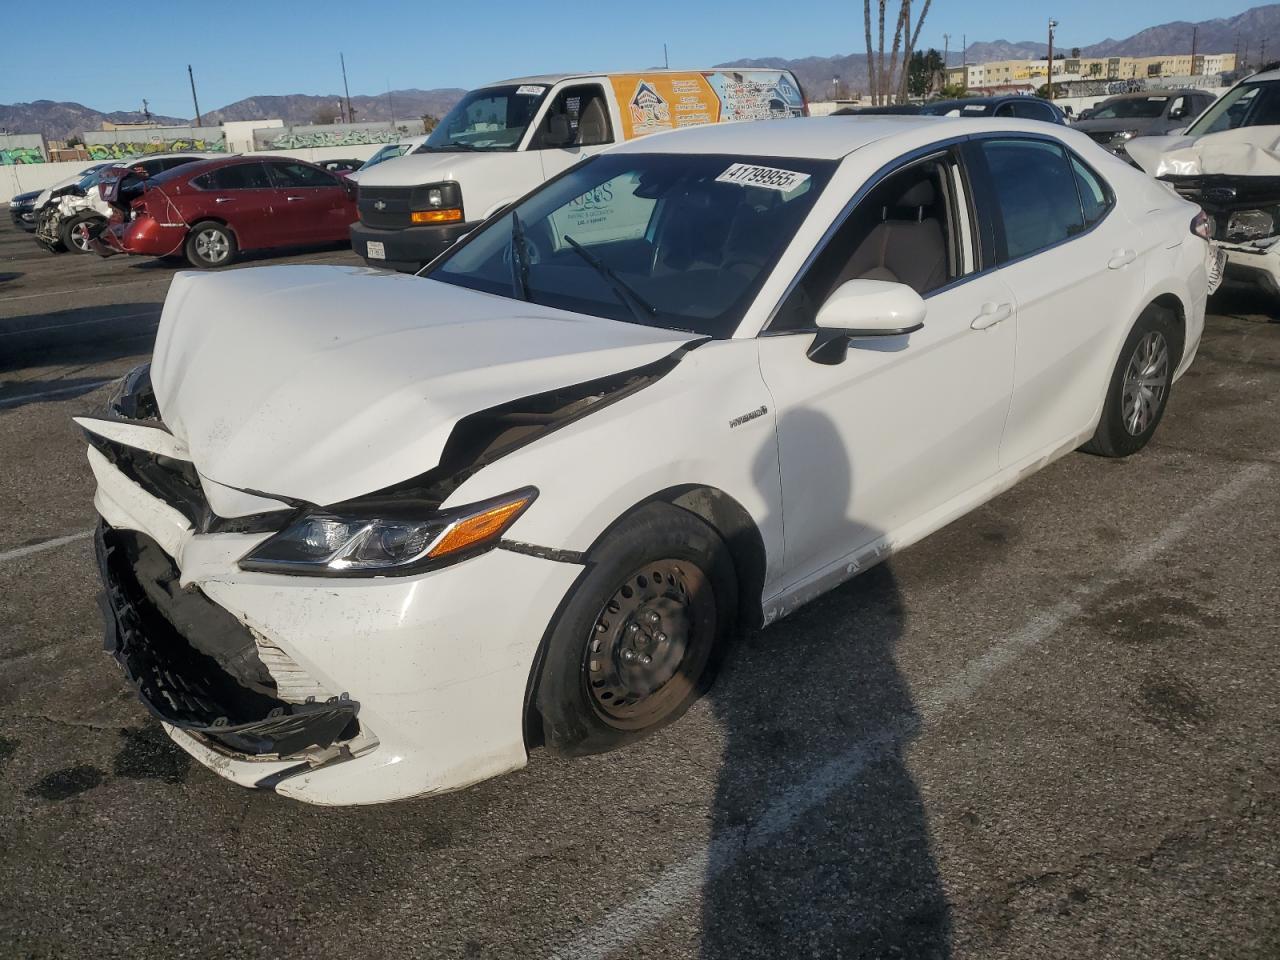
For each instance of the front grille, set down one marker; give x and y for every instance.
(386, 208)
(195, 666)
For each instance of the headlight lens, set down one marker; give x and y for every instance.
(372, 545)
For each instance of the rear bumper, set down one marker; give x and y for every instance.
(410, 249)
(142, 237)
(1254, 265)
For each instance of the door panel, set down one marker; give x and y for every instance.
(1075, 268)
(309, 204)
(239, 194)
(585, 107)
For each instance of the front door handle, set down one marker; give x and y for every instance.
(295, 198)
(223, 199)
(992, 313)
(1121, 258)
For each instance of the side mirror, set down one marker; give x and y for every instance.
(864, 308)
(558, 132)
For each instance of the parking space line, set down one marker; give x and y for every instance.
(26, 397)
(63, 293)
(19, 552)
(623, 926)
(77, 323)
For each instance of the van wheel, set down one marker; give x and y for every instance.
(1139, 389)
(635, 642)
(211, 245)
(75, 233)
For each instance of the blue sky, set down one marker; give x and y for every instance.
(239, 49)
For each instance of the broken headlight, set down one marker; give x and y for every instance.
(1251, 224)
(376, 544)
(133, 397)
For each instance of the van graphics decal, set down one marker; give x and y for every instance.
(668, 101)
(648, 109)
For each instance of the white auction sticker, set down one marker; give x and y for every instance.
(376, 251)
(530, 90)
(771, 178)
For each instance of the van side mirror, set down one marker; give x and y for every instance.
(558, 132)
(864, 308)
(1178, 113)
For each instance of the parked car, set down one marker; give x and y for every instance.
(211, 212)
(1116, 121)
(1020, 107)
(423, 522)
(390, 151)
(22, 210)
(339, 167)
(1227, 163)
(501, 141)
(73, 212)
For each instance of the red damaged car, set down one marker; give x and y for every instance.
(209, 212)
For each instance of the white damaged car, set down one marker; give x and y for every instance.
(367, 535)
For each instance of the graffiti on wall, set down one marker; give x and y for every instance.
(122, 149)
(14, 155)
(324, 138)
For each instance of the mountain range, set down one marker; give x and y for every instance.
(1255, 30)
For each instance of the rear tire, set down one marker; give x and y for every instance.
(1138, 392)
(75, 233)
(636, 641)
(211, 246)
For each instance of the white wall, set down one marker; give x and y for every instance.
(20, 178)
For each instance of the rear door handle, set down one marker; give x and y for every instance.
(992, 313)
(1121, 258)
(295, 198)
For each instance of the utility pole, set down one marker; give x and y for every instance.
(666, 61)
(1049, 65)
(345, 91)
(964, 54)
(1194, 36)
(192, 77)
(391, 108)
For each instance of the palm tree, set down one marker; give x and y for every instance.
(871, 73)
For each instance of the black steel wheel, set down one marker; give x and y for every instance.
(636, 639)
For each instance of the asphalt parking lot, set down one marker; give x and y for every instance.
(1050, 730)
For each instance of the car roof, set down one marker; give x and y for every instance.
(549, 79)
(822, 138)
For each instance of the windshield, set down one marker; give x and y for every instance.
(1246, 105)
(493, 118)
(384, 153)
(1131, 108)
(682, 241)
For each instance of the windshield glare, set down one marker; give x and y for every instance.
(681, 241)
(1135, 108)
(493, 118)
(1247, 105)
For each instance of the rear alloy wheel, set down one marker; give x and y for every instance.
(77, 232)
(210, 246)
(1139, 388)
(636, 639)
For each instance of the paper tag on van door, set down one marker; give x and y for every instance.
(771, 178)
(529, 90)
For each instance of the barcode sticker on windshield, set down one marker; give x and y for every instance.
(771, 178)
(530, 90)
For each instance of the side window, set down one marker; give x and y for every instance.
(1095, 197)
(1031, 110)
(904, 231)
(238, 176)
(290, 175)
(587, 113)
(1035, 194)
(1005, 110)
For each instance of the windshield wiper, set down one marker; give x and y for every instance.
(640, 308)
(519, 260)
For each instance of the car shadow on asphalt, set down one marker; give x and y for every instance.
(1242, 300)
(22, 393)
(821, 843)
(81, 335)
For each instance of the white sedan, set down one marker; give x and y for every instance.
(367, 535)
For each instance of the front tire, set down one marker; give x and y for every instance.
(210, 246)
(635, 643)
(1139, 388)
(77, 231)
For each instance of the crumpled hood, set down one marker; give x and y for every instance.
(1243, 152)
(321, 383)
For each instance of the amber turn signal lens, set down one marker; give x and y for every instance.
(450, 215)
(476, 529)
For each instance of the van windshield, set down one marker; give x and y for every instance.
(1246, 105)
(492, 118)
(681, 241)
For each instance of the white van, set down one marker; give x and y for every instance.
(502, 140)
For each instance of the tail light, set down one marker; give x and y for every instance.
(1202, 226)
